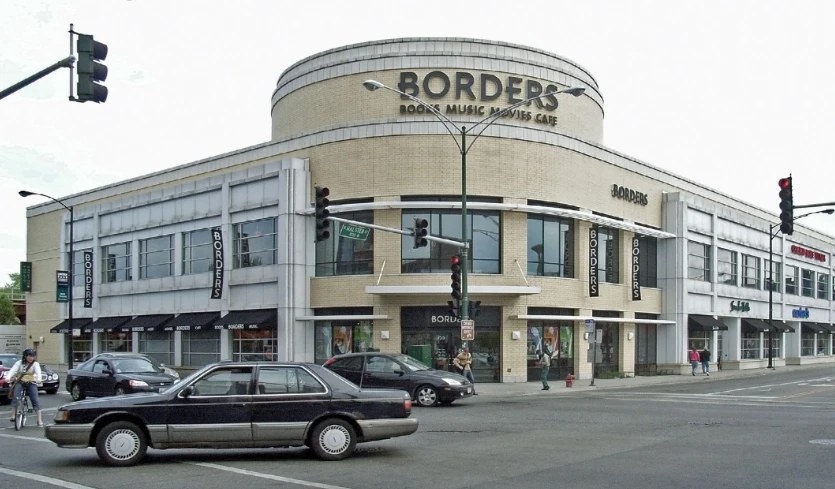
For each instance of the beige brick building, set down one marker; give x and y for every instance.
(555, 220)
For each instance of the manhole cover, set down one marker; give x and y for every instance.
(822, 442)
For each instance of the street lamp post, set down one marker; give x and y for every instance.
(25, 193)
(463, 148)
(771, 236)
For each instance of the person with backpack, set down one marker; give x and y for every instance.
(463, 362)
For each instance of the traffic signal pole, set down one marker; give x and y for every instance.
(64, 63)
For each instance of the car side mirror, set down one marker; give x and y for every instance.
(188, 391)
(399, 372)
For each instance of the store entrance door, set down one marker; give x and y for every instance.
(445, 347)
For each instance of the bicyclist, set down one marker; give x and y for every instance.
(26, 374)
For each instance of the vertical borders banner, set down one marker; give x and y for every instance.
(594, 290)
(217, 264)
(26, 276)
(88, 279)
(636, 268)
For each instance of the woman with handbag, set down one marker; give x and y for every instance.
(26, 374)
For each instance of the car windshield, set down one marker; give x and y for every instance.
(413, 364)
(134, 366)
(9, 360)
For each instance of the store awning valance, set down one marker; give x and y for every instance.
(814, 328)
(102, 325)
(757, 324)
(698, 322)
(192, 321)
(828, 327)
(64, 326)
(251, 319)
(150, 322)
(782, 326)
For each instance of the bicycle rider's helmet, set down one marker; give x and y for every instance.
(29, 351)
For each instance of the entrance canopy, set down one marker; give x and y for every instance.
(101, 325)
(756, 324)
(782, 326)
(815, 327)
(64, 326)
(698, 322)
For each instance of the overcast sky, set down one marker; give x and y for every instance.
(732, 94)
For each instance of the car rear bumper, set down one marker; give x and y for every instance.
(381, 429)
(69, 435)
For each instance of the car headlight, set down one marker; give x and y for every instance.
(54, 377)
(138, 383)
(62, 415)
(451, 381)
(172, 372)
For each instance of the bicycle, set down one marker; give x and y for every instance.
(24, 406)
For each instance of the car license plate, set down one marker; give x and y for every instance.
(469, 389)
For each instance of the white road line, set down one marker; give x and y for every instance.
(44, 479)
(266, 476)
(30, 438)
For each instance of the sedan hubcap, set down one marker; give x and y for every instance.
(122, 444)
(426, 396)
(334, 439)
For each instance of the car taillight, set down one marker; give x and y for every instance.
(407, 405)
(330, 361)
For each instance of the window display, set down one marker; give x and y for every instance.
(338, 337)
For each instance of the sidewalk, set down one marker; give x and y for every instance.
(534, 388)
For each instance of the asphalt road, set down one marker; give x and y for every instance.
(755, 431)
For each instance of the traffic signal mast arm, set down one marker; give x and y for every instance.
(64, 63)
(398, 231)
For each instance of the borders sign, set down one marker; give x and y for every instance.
(88, 279)
(594, 291)
(217, 264)
(636, 268)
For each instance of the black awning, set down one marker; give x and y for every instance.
(151, 322)
(697, 322)
(64, 326)
(101, 325)
(828, 327)
(814, 327)
(756, 324)
(192, 321)
(251, 319)
(782, 326)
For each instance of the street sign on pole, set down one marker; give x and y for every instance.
(589, 326)
(354, 232)
(467, 330)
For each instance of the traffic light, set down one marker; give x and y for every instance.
(455, 267)
(322, 213)
(786, 206)
(454, 308)
(420, 232)
(89, 70)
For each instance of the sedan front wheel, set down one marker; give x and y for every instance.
(121, 444)
(426, 396)
(75, 392)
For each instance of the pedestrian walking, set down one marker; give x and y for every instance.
(545, 364)
(704, 357)
(695, 359)
(464, 362)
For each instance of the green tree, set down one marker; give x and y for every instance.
(15, 283)
(7, 314)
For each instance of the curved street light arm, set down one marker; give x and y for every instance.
(495, 116)
(24, 193)
(444, 119)
(824, 211)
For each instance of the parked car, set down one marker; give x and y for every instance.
(109, 374)
(426, 385)
(49, 379)
(238, 405)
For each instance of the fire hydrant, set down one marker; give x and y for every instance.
(569, 380)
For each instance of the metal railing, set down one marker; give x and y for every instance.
(14, 294)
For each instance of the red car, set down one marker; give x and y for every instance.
(4, 386)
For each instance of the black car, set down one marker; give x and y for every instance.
(49, 379)
(426, 385)
(114, 374)
(238, 405)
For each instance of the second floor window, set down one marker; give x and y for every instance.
(156, 257)
(78, 266)
(698, 261)
(791, 280)
(484, 236)
(726, 269)
(254, 243)
(773, 271)
(116, 263)
(346, 256)
(750, 271)
(550, 246)
(823, 285)
(608, 255)
(807, 283)
(197, 252)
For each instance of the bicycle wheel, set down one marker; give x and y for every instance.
(20, 419)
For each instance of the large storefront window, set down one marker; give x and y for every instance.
(646, 345)
(555, 339)
(698, 339)
(648, 262)
(156, 257)
(823, 344)
(608, 255)
(82, 347)
(776, 343)
(254, 243)
(200, 347)
(750, 344)
(345, 256)
(698, 261)
(483, 234)
(110, 341)
(550, 246)
(434, 331)
(333, 338)
(197, 252)
(254, 345)
(807, 344)
(158, 345)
